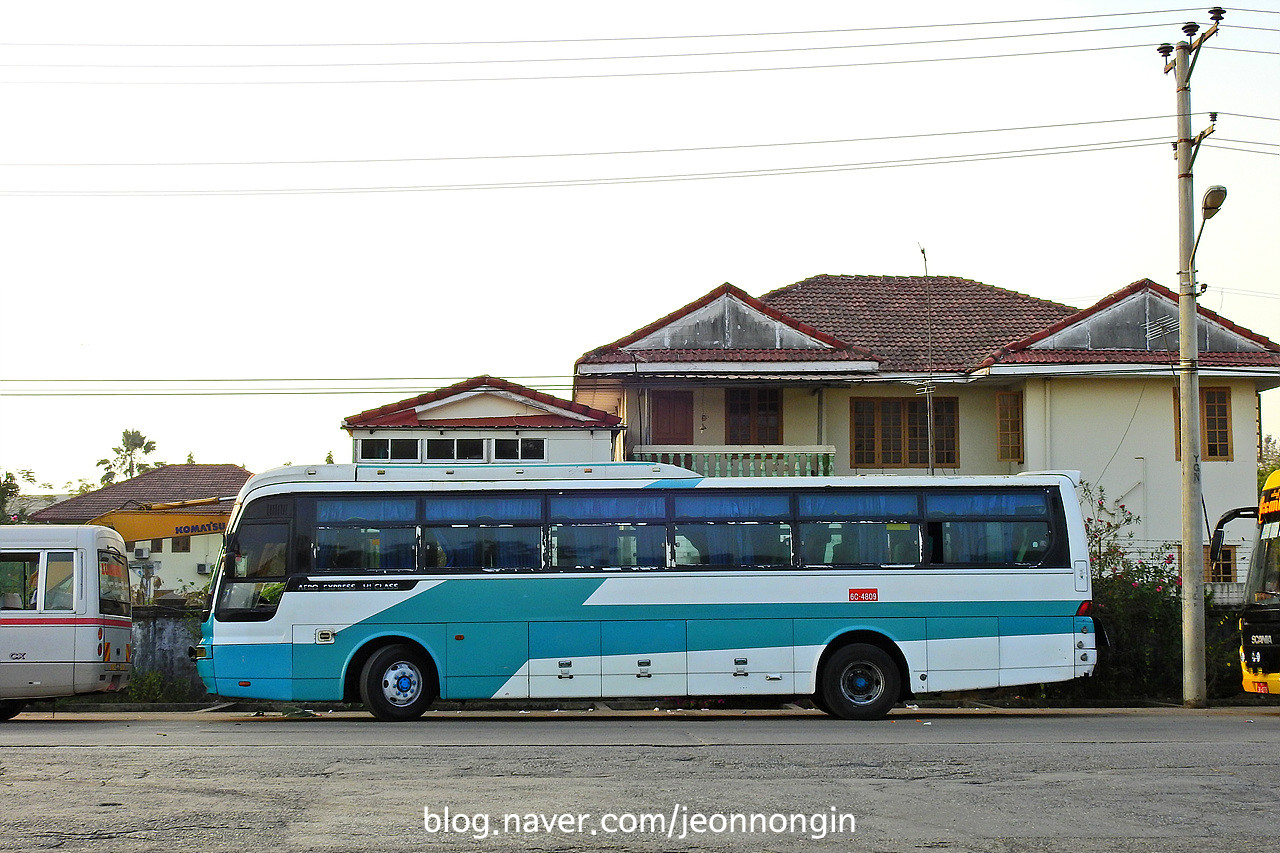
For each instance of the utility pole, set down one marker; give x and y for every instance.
(1194, 690)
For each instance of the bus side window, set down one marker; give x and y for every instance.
(59, 580)
(18, 575)
(260, 551)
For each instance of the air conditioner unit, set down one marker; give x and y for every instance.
(202, 568)
(141, 553)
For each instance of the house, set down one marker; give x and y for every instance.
(172, 519)
(842, 374)
(483, 420)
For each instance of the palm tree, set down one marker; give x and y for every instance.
(128, 457)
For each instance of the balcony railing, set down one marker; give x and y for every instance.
(758, 460)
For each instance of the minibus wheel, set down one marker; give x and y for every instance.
(10, 708)
(397, 683)
(860, 682)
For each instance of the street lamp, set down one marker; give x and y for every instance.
(1209, 207)
(1194, 692)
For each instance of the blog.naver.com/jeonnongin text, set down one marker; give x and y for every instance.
(676, 824)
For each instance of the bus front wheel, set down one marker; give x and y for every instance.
(10, 708)
(397, 684)
(860, 682)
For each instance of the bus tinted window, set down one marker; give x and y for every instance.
(1006, 504)
(370, 510)
(261, 550)
(608, 508)
(867, 505)
(18, 578)
(730, 506)
(608, 546)
(386, 549)
(461, 509)
(485, 548)
(59, 580)
(113, 584)
(990, 542)
(733, 545)
(860, 543)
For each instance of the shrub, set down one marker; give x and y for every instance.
(1137, 602)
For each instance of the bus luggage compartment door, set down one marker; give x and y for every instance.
(643, 658)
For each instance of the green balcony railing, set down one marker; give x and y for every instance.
(743, 460)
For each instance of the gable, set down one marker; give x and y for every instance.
(483, 401)
(482, 404)
(1143, 320)
(727, 323)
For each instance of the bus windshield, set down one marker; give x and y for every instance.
(1264, 567)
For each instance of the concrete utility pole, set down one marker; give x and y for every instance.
(1194, 691)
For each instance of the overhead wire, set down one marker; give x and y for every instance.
(754, 51)
(591, 76)
(600, 39)
(694, 176)
(554, 154)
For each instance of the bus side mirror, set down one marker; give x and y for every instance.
(1215, 549)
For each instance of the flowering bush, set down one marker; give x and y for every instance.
(1137, 602)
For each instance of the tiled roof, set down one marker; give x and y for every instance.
(713, 355)
(1019, 352)
(1125, 356)
(725, 289)
(401, 413)
(615, 353)
(917, 323)
(160, 485)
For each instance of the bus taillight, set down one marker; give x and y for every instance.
(1085, 607)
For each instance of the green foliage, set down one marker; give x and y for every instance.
(153, 687)
(9, 489)
(127, 461)
(1137, 602)
(1268, 459)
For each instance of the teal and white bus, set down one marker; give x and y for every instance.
(394, 585)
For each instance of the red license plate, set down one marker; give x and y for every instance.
(864, 595)
(1261, 687)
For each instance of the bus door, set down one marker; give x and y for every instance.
(37, 623)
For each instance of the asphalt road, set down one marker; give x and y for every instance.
(1114, 781)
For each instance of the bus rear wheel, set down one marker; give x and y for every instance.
(397, 683)
(860, 682)
(10, 708)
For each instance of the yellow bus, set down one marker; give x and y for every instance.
(1260, 622)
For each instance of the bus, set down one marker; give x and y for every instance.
(1260, 620)
(394, 585)
(65, 613)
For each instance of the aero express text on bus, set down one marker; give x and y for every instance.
(394, 585)
(65, 617)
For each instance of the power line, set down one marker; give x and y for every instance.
(682, 150)
(1241, 150)
(693, 176)
(1136, 369)
(1246, 50)
(622, 38)
(1243, 115)
(756, 51)
(543, 78)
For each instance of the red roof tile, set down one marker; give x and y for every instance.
(159, 485)
(401, 414)
(714, 355)
(1017, 350)
(917, 323)
(1099, 356)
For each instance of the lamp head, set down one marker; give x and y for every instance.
(1213, 199)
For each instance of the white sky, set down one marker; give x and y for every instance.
(168, 292)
